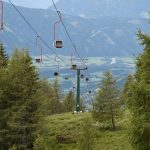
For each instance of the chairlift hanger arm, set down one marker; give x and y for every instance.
(59, 21)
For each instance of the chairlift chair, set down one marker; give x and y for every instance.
(82, 76)
(90, 92)
(56, 74)
(74, 66)
(66, 78)
(38, 60)
(58, 44)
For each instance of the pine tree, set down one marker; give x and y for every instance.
(140, 102)
(106, 104)
(126, 92)
(69, 102)
(3, 57)
(46, 94)
(56, 101)
(24, 86)
(4, 103)
(4, 110)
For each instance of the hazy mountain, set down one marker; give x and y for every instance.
(103, 8)
(104, 36)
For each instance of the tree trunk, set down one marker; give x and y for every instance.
(112, 118)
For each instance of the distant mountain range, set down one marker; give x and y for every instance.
(97, 27)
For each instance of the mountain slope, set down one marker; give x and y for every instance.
(104, 36)
(104, 8)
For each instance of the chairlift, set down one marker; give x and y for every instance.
(38, 44)
(74, 66)
(56, 74)
(90, 92)
(38, 60)
(57, 43)
(66, 78)
(82, 76)
(87, 79)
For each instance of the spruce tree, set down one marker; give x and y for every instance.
(69, 102)
(56, 106)
(24, 86)
(126, 91)
(106, 104)
(4, 102)
(140, 102)
(3, 57)
(4, 110)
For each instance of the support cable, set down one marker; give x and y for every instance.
(37, 34)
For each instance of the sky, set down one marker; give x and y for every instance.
(33, 3)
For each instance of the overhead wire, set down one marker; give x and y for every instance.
(37, 34)
(74, 46)
(45, 43)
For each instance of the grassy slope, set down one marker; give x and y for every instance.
(68, 126)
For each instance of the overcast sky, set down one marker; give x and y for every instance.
(33, 3)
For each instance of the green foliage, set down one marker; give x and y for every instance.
(46, 94)
(39, 144)
(66, 132)
(23, 87)
(87, 135)
(69, 102)
(56, 102)
(4, 103)
(126, 93)
(106, 105)
(139, 103)
(3, 57)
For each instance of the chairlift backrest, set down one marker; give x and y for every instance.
(55, 73)
(74, 66)
(66, 78)
(82, 76)
(38, 60)
(58, 44)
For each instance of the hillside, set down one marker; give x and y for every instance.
(69, 127)
(105, 8)
(101, 36)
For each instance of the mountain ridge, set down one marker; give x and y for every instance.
(104, 36)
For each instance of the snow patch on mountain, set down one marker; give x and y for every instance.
(95, 33)
(108, 39)
(74, 24)
(8, 29)
(118, 32)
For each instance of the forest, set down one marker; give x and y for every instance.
(34, 113)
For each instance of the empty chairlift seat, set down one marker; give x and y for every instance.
(55, 74)
(87, 79)
(82, 76)
(74, 66)
(58, 44)
(38, 60)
